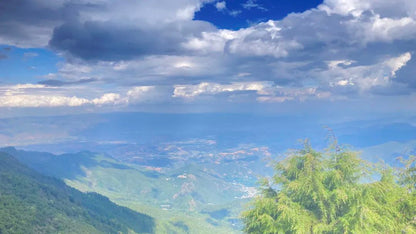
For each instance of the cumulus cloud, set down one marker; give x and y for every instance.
(38, 95)
(108, 98)
(364, 77)
(334, 26)
(139, 92)
(342, 47)
(154, 50)
(40, 101)
(263, 39)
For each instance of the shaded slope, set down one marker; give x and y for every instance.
(32, 203)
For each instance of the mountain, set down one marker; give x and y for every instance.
(183, 197)
(186, 171)
(34, 203)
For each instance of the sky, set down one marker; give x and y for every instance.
(323, 58)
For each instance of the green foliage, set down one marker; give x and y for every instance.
(32, 203)
(334, 192)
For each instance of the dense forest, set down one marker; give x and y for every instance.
(33, 203)
(334, 191)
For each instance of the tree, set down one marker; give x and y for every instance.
(333, 191)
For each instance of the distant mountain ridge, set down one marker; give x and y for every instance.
(34, 203)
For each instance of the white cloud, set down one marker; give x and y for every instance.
(26, 86)
(249, 4)
(210, 41)
(390, 28)
(375, 28)
(382, 22)
(289, 52)
(40, 101)
(397, 63)
(341, 48)
(56, 100)
(234, 13)
(335, 63)
(345, 7)
(139, 90)
(363, 76)
(186, 13)
(141, 93)
(356, 8)
(344, 82)
(29, 95)
(189, 91)
(34, 95)
(221, 6)
(264, 90)
(108, 98)
(183, 64)
(263, 39)
(10, 90)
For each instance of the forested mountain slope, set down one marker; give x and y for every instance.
(33, 203)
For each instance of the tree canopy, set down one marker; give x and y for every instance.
(334, 191)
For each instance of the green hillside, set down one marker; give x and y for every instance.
(33, 203)
(182, 199)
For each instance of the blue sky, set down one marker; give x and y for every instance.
(27, 65)
(241, 14)
(350, 58)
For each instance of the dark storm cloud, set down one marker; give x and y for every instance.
(112, 41)
(3, 56)
(29, 23)
(102, 30)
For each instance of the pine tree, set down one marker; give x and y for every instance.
(333, 192)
